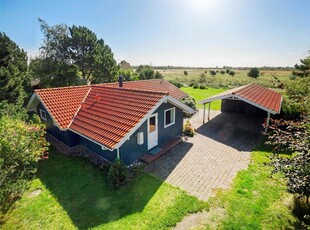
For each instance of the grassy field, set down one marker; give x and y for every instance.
(227, 81)
(200, 94)
(255, 201)
(74, 194)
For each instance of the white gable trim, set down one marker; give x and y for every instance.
(36, 96)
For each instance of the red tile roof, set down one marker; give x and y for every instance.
(153, 85)
(255, 94)
(108, 113)
(105, 113)
(63, 103)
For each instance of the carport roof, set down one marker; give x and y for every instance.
(253, 94)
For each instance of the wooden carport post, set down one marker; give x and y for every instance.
(209, 111)
(204, 113)
(268, 120)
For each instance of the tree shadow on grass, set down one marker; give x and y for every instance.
(236, 130)
(82, 191)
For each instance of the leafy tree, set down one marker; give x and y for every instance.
(74, 50)
(53, 73)
(82, 46)
(14, 78)
(227, 71)
(147, 72)
(158, 75)
(213, 72)
(185, 73)
(22, 144)
(254, 72)
(105, 67)
(222, 72)
(297, 98)
(232, 73)
(128, 74)
(302, 70)
(124, 65)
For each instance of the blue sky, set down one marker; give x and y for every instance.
(186, 33)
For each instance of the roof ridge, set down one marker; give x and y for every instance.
(132, 90)
(60, 88)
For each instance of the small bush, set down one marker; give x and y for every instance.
(202, 86)
(177, 83)
(213, 72)
(185, 73)
(195, 86)
(117, 175)
(188, 129)
(254, 72)
(202, 78)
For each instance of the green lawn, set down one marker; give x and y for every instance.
(200, 94)
(75, 195)
(255, 201)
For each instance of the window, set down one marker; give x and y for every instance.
(169, 117)
(43, 114)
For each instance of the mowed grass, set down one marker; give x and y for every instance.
(256, 200)
(74, 194)
(200, 94)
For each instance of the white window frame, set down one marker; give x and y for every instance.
(173, 112)
(43, 114)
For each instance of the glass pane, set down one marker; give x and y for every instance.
(168, 117)
(152, 127)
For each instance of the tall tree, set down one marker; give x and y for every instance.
(105, 66)
(69, 51)
(13, 71)
(303, 69)
(124, 65)
(82, 47)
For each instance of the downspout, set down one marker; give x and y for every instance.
(117, 154)
(204, 113)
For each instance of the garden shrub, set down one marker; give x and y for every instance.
(190, 102)
(188, 129)
(202, 86)
(176, 82)
(22, 145)
(117, 174)
(195, 86)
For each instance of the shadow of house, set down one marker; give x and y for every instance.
(83, 193)
(168, 162)
(236, 130)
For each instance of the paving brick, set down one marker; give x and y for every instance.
(211, 159)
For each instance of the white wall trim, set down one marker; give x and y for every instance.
(172, 123)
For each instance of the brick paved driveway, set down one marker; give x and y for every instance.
(211, 159)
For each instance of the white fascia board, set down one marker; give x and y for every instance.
(31, 101)
(180, 105)
(101, 145)
(134, 129)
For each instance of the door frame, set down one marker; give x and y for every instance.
(148, 130)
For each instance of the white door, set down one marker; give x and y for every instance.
(152, 131)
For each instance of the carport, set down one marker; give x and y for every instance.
(251, 99)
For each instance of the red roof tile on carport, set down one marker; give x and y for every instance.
(254, 94)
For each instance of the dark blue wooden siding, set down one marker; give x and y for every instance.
(130, 150)
(166, 134)
(67, 137)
